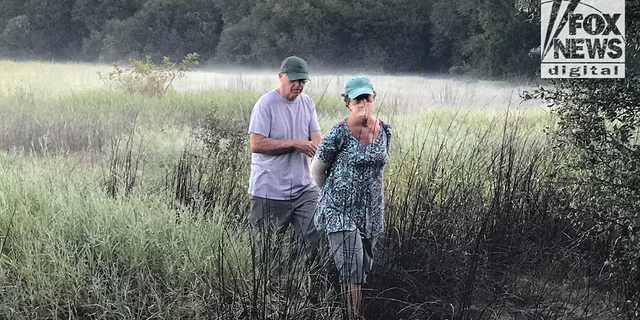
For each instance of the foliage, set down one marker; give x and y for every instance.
(49, 31)
(450, 37)
(601, 119)
(495, 40)
(144, 77)
(16, 33)
(93, 14)
(223, 133)
(343, 33)
(156, 28)
(473, 192)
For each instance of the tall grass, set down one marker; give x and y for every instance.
(74, 252)
(116, 206)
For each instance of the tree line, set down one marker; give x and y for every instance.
(489, 37)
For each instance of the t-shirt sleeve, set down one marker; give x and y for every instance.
(329, 146)
(260, 122)
(313, 123)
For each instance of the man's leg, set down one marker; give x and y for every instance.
(302, 219)
(271, 219)
(267, 215)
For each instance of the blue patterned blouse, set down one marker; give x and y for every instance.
(352, 196)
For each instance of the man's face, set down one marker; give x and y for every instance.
(291, 89)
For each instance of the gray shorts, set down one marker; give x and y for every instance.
(269, 215)
(352, 254)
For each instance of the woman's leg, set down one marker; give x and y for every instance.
(353, 296)
(347, 250)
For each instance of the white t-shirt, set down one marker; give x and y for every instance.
(284, 176)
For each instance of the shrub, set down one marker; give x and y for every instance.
(601, 120)
(146, 78)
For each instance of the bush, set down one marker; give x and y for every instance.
(144, 77)
(601, 120)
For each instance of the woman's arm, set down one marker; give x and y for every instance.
(319, 172)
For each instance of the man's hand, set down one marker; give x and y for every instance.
(307, 147)
(262, 144)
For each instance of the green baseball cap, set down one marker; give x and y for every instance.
(295, 68)
(356, 86)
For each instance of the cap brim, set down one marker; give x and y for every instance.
(355, 93)
(297, 76)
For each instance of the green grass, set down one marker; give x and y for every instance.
(72, 251)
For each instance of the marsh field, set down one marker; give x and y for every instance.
(123, 206)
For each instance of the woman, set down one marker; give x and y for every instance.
(348, 168)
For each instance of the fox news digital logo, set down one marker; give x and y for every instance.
(582, 39)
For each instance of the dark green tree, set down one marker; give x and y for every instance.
(489, 38)
(365, 34)
(510, 33)
(160, 28)
(15, 34)
(54, 34)
(39, 29)
(10, 9)
(95, 13)
(454, 23)
(271, 31)
(385, 35)
(234, 10)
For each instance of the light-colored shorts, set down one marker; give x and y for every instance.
(352, 254)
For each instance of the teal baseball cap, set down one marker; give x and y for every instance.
(356, 86)
(295, 68)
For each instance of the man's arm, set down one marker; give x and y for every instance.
(264, 145)
(316, 137)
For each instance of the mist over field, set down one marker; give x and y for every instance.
(409, 92)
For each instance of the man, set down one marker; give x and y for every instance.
(284, 137)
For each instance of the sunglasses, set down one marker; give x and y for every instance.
(365, 97)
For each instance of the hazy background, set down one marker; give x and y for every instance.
(489, 38)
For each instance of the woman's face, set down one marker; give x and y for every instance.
(361, 106)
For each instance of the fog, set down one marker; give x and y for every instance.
(408, 92)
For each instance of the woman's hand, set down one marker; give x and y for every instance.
(361, 107)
